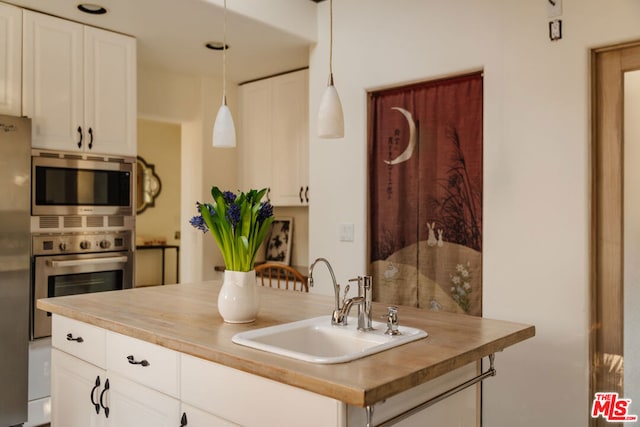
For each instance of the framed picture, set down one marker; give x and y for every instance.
(280, 241)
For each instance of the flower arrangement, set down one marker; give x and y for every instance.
(461, 286)
(238, 222)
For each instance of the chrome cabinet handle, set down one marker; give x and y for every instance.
(106, 408)
(132, 361)
(80, 132)
(91, 138)
(71, 338)
(93, 390)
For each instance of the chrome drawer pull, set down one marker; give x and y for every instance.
(71, 338)
(143, 362)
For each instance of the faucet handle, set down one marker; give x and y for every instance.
(346, 291)
(392, 321)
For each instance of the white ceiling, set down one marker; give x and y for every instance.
(171, 35)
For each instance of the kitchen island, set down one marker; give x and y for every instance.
(201, 370)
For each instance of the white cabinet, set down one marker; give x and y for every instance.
(79, 86)
(194, 417)
(76, 387)
(134, 405)
(92, 386)
(10, 60)
(274, 137)
(227, 393)
(96, 371)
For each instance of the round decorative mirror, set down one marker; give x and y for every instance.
(148, 185)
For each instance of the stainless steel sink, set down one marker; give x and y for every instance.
(316, 340)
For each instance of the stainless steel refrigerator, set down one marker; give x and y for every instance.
(15, 171)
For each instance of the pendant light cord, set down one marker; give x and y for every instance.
(330, 42)
(224, 56)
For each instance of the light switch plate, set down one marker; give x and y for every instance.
(346, 232)
(555, 29)
(554, 8)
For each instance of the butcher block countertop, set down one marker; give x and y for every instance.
(185, 318)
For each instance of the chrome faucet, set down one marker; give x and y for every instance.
(336, 286)
(363, 301)
(341, 310)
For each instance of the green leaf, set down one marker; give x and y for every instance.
(239, 244)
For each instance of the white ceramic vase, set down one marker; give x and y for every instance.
(238, 298)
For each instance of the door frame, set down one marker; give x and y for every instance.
(608, 66)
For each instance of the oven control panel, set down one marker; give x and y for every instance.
(74, 243)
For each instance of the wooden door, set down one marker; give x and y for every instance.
(607, 243)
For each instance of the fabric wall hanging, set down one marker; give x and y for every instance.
(425, 194)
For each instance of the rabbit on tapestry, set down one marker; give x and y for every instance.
(431, 240)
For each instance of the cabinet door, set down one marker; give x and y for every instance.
(134, 405)
(10, 60)
(198, 418)
(74, 392)
(52, 86)
(255, 153)
(110, 92)
(250, 400)
(290, 135)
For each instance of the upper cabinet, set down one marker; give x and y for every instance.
(274, 137)
(10, 59)
(79, 86)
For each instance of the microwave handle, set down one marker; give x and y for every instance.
(76, 262)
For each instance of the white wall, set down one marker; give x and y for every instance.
(536, 167)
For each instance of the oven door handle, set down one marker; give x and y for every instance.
(76, 262)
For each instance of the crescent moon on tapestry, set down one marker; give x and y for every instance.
(408, 152)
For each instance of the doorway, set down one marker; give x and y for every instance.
(158, 224)
(615, 281)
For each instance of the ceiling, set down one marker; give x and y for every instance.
(171, 35)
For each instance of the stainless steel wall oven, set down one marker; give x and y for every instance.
(77, 263)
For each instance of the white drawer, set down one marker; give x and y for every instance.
(82, 340)
(250, 400)
(150, 364)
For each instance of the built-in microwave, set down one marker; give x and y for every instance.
(81, 184)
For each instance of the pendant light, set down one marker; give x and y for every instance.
(330, 117)
(224, 132)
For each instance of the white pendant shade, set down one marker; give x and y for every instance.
(224, 132)
(330, 117)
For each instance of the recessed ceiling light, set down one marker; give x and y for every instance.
(94, 9)
(216, 45)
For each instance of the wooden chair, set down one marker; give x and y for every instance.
(281, 276)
